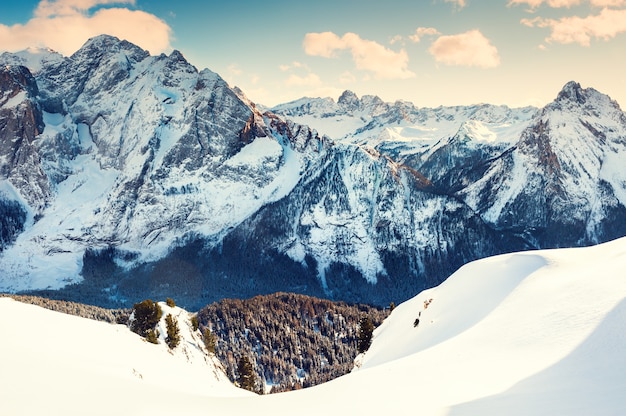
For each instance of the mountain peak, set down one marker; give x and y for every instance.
(177, 56)
(588, 100)
(349, 99)
(572, 91)
(101, 41)
(105, 44)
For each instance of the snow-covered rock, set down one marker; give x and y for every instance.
(133, 175)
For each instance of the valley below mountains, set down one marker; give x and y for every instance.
(125, 176)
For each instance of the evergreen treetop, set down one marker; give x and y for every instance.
(146, 316)
(366, 329)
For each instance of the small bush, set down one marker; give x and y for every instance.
(170, 302)
(194, 322)
(152, 335)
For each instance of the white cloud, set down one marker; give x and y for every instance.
(234, 70)
(323, 44)
(293, 65)
(606, 25)
(459, 3)
(65, 25)
(347, 77)
(420, 32)
(366, 54)
(309, 80)
(608, 3)
(466, 49)
(395, 39)
(534, 4)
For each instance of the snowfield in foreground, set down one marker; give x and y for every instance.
(535, 333)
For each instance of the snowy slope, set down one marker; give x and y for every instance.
(32, 58)
(60, 364)
(531, 333)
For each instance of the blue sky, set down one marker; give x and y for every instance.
(432, 52)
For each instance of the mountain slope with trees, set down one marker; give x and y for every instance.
(291, 340)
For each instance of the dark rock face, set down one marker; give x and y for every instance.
(21, 122)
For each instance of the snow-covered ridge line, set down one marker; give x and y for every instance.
(369, 119)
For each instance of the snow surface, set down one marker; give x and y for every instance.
(32, 58)
(534, 333)
(15, 100)
(59, 364)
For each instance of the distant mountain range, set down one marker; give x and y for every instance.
(125, 176)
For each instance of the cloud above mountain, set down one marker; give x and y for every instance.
(604, 26)
(64, 25)
(465, 49)
(367, 55)
(533, 4)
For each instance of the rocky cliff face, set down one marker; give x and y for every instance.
(125, 175)
(21, 123)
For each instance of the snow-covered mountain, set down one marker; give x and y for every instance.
(369, 120)
(125, 175)
(530, 333)
(135, 152)
(563, 183)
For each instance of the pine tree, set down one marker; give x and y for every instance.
(173, 336)
(209, 340)
(366, 328)
(247, 376)
(194, 322)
